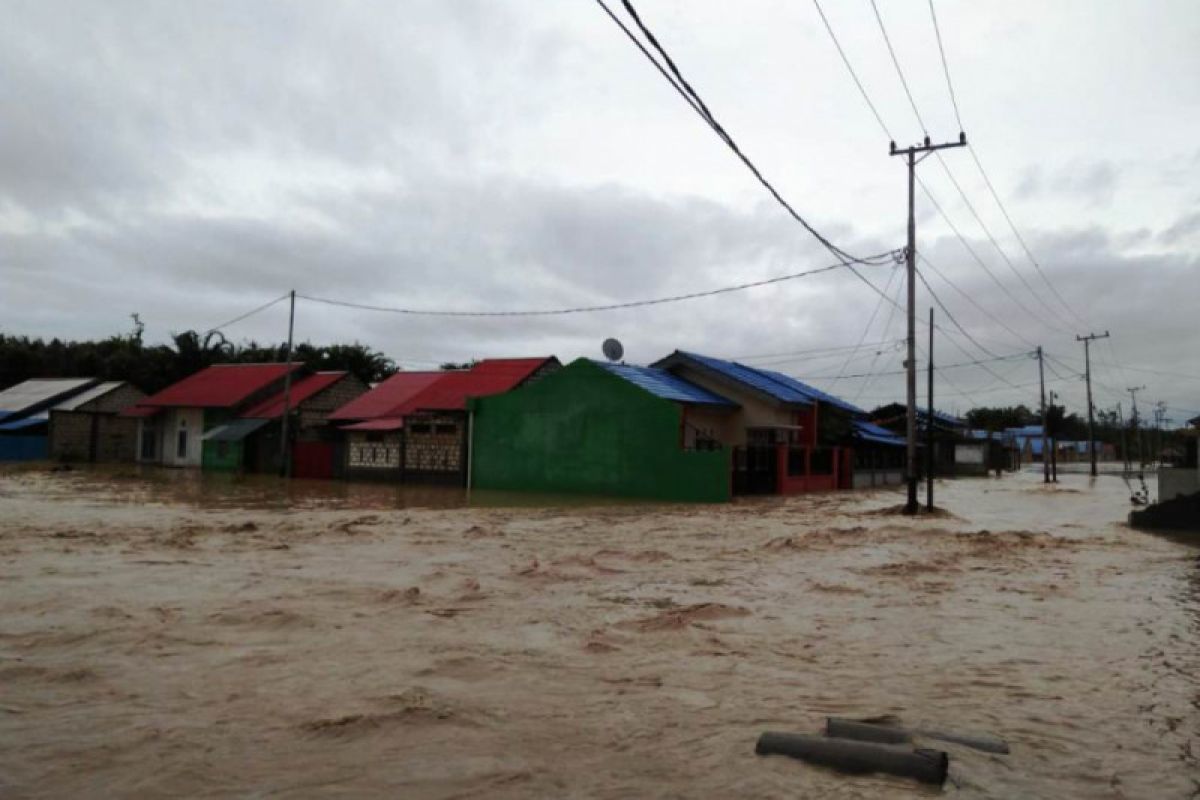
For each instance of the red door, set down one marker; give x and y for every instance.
(312, 459)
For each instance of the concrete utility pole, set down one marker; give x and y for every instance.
(930, 460)
(1124, 438)
(1087, 364)
(1133, 422)
(1052, 454)
(285, 465)
(1042, 381)
(911, 258)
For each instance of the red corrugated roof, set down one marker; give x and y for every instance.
(490, 376)
(381, 424)
(220, 386)
(386, 396)
(302, 389)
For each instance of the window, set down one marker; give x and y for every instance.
(181, 440)
(419, 427)
(374, 437)
(446, 428)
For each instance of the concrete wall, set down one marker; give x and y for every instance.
(866, 478)
(755, 412)
(85, 436)
(435, 447)
(1176, 481)
(583, 429)
(184, 425)
(374, 456)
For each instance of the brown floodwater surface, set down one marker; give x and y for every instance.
(167, 634)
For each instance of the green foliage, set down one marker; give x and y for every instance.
(1000, 418)
(152, 368)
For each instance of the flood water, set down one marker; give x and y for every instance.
(166, 635)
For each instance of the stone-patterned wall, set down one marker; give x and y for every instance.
(314, 411)
(71, 437)
(368, 455)
(434, 443)
(115, 401)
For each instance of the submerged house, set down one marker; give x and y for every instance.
(89, 427)
(604, 429)
(256, 435)
(789, 437)
(172, 424)
(949, 438)
(413, 427)
(25, 415)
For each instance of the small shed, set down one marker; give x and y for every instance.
(603, 429)
(25, 415)
(88, 426)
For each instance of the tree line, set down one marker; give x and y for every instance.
(127, 357)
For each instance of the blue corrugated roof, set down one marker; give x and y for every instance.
(27, 422)
(875, 433)
(661, 383)
(782, 387)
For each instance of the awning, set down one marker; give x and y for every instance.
(21, 424)
(383, 424)
(234, 431)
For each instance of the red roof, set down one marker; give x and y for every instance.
(490, 376)
(381, 424)
(302, 389)
(220, 386)
(386, 396)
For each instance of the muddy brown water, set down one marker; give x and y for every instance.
(163, 635)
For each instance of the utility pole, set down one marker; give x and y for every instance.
(285, 462)
(1042, 381)
(1133, 421)
(1087, 365)
(930, 461)
(1124, 438)
(1052, 453)
(911, 257)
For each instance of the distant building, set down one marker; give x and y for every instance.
(25, 415)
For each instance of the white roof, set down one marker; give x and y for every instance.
(99, 390)
(38, 390)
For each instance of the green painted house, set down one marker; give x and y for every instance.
(603, 429)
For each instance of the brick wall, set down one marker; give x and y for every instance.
(434, 443)
(314, 411)
(83, 436)
(115, 401)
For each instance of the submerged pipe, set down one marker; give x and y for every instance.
(887, 734)
(847, 755)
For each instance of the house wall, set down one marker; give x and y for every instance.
(84, 436)
(970, 458)
(1175, 481)
(435, 447)
(755, 412)
(314, 412)
(188, 422)
(374, 456)
(583, 429)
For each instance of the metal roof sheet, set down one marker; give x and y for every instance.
(488, 377)
(386, 396)
(38, 391)
(875, 433)
(27, 422)
(783, 388)
(381, 424)
(88, 395)
(220, 386)
(661, 383)
(234, 430)
(301, 390)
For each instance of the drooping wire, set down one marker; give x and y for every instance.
(674, 76)
(870, 321)
(577, 309)
(249, 313)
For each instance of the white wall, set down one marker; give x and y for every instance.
(189, 422)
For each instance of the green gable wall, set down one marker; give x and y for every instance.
(211, 458)
(584, 430)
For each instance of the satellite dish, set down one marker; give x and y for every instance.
(612, 349)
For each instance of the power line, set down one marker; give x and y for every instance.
(824, 350)
(952, 318)
(896, 62)
(575, 310)
(945, 67)
(675, 78)
(870, 322)
(250, 313)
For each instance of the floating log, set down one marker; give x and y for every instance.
(848, 755)
(890, 734)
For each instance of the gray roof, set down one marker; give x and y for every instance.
(234, 430)
(40, 392)
(87, 396)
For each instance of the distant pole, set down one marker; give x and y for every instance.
(930, 461)
(1087, 365)
(1124, 437)
(285, 467)
(1136, 432)
(1053, 454)
(912, 506)
(1045, 453)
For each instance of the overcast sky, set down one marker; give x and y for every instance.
(189, 161)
